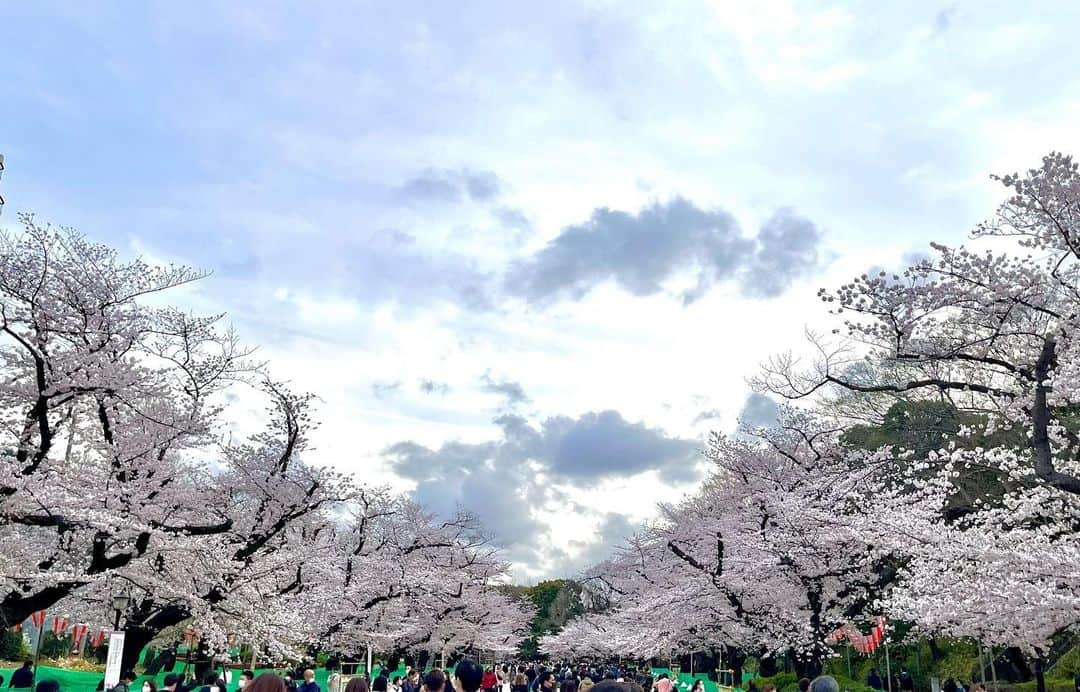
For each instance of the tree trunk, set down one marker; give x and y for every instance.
(734, 659)
(1040, 681)
(137, 636)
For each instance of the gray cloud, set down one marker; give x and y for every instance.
(383, 389)
(446, 185)
(787, 249)
(639, 252)
(758, 411)
(502, 479)
(513, 391)
(711, 414)
(605, 444)
(428, 386)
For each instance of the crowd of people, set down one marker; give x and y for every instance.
(467, 676)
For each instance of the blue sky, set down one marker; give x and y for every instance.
(527, 253)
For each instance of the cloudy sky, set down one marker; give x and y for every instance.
(527, 253)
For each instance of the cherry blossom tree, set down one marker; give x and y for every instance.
(992, 332)
(766, 557)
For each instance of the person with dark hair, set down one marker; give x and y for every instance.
(663, 684)
(804, 684)
(357, 684)
(489, 681)
(290, 681)
(267, 682)
(545, 682)
(149, 685)
(173, 683)
(395, 684)
(23, 677)
(380, 683)
(873, 680)
(699, 686)
(520, 683)
(616, 686)
(434, 681)
(470, 676)
(412, 681)
(48, 686)
(246, 677)
(569, 684)
(126, 678)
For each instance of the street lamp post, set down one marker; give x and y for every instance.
(120, 602)
(115, 657)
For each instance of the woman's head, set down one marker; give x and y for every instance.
(149, 685)
(357, 685)
(267, 682)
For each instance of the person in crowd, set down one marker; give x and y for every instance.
(546, 681)
(309, 684)
(520, 683)
(949, 686)
(569, 684)
(699, 686)
(149, 685)
(23, 677)
(434, 681)
(490, 681)
(610, 685)
(824, 683)
(246, 677)
(530, 675)
(663, 684)
(907, 683)
(357, 684)
(804, 684)
(412, 681)
(395, 684)
(289, 681)
(873, 680)
(48, 686)
(469, 676)
(380, 683)
(172, 683)
(586, 684)
(267, 682)
(126, 678)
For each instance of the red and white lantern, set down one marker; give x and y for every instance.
(59, 626)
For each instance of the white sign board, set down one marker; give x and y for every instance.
(115, 658)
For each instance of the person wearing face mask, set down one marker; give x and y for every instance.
(245, 679)
(149, 686)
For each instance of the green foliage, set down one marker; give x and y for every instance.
(785, 682)
(556, 601)
(1052, 685)
(12, 646)
(51, 647)
(1068, 665)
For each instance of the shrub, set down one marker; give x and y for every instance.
(13, 647)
